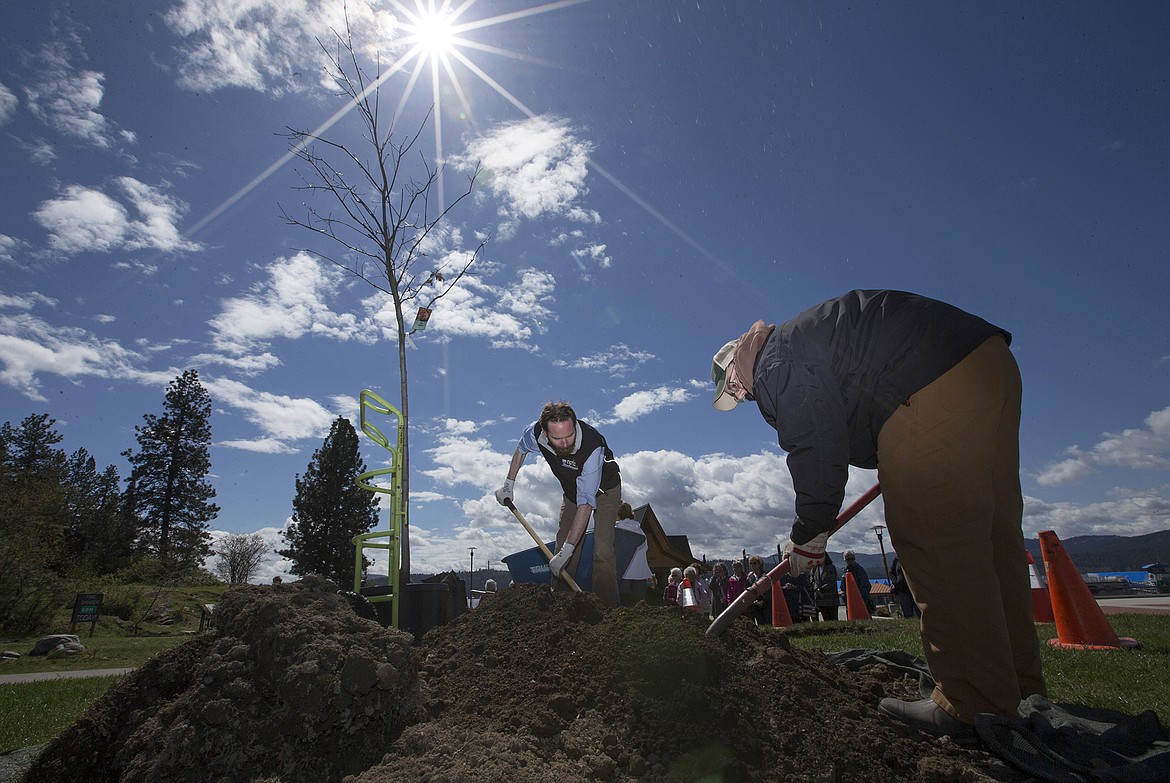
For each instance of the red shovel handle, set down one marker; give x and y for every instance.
(740, 604)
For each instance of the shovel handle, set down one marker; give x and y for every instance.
(745, 599)
(544, 549)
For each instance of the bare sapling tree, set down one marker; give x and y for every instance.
(385, 215)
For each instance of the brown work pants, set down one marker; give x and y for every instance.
(949, 468)
(605, 514)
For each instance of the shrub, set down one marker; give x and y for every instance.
(147, 569)
(126, 602)
(28, 594)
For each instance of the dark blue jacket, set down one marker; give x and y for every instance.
(828, 379)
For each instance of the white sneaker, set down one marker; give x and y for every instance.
(926, 716)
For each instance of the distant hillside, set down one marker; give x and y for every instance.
(1090, 554)
(1112, 553)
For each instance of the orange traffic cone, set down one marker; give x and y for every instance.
(686, 596)
(1080, 623)
(781, 617)
(854, 604)
(1041, 601)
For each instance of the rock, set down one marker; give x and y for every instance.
(49, 643)
(66, 650)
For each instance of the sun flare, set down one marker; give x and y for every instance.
(433, 32)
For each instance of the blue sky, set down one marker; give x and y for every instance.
(656, 176)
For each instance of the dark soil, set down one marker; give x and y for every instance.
(530, 686)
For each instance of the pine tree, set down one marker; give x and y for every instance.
(170, 491)
(330, 509)
(99, 536)
(33, 515)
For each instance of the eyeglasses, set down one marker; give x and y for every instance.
(734, 387)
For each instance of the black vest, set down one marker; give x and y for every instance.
(568, 469)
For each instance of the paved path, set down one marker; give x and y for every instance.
(8, 679)
(1152, 604)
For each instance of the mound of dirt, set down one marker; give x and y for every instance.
(529, 686)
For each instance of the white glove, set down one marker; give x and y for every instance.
(504, 493)
(557, 564)
(806, 556)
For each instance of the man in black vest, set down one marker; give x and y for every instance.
(581, 460)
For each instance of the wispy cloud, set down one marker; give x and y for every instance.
(268, 45)
(642, 403)
(8, 103)
(294, 300)
(536, 167)
(281, 419)
(508, 314)
(30, 347)
(616, 360)
(1139, 448)
(85, 219)
(68, 99)
(1126, 512)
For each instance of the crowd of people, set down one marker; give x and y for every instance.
(809, 596)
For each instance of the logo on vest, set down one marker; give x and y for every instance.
(571, 464)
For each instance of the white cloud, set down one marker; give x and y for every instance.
(595, 253)
(268, 44)
(292, 302)
(68, 99)
(84, 219)
(616, 360)
(721, 503)
(30, 346)
(537, 166)
(507, 315)
(8, 103)
(1127, 512)
(1145, 448)
(639, 404)
(26, 301)
(271, 565)
(279, 417)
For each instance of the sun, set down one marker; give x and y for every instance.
(433, 32)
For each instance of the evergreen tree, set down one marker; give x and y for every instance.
(33, 515)
(170, 491)
(330, 509)
(99, 537)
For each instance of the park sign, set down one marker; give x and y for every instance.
(87, 608)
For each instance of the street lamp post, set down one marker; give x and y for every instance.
(471, 579)
(885, 566)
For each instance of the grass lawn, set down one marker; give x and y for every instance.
(1129, 681)
(35, 712)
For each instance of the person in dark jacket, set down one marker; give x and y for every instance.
(860, 578)
(929, 395)
(825, 588)
(580, 458)
(900, 589)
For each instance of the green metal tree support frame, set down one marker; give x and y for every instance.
(372, 402)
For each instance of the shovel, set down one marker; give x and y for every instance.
(745, 599)
(564, 574)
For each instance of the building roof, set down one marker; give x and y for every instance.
(662, 551)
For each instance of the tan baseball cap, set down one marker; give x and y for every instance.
(724, 400)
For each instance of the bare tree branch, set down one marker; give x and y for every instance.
(381, 213)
